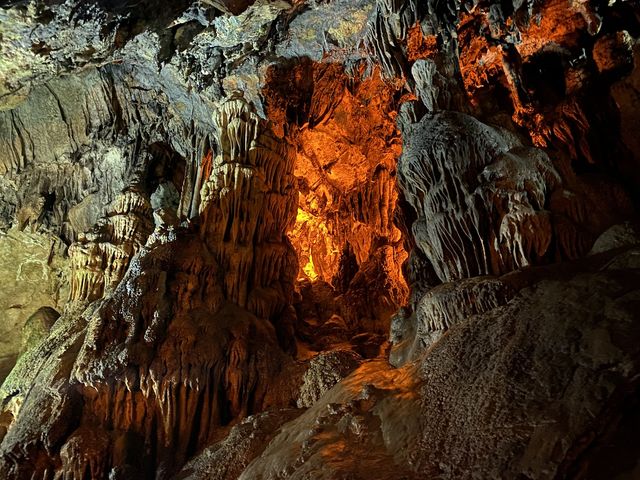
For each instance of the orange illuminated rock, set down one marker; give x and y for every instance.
(247, 203)
(345, 172)
(420, 45)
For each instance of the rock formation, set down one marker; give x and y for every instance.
(335, 239)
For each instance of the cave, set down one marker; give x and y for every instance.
(304, 239)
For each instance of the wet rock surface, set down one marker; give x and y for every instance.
(319, 239)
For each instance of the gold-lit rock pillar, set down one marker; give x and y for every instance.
(248, 203)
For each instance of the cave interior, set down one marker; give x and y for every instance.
(319, 239)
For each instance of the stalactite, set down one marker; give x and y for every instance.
(388, 30)
(101, 260)
(495, 178)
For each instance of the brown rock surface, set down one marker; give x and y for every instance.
(516, 391)
(35, 275)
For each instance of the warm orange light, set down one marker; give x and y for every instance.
(345, 167)
(305, 225)
(309, 269)
(206, 165)
(302, 216)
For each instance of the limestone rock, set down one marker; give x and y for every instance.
(101, 258)
(529, 391)
(236, 196)
(36, 275)
(441, 308)
(247, 204)
(613, 51)
(550, 400)
(325, 370)
(618, 236)
(344, 233)
(137, 333)
(37, 327)
(343, 436)
(227, 459)
(626, 97)
(495, 178)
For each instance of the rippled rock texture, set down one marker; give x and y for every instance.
(303, 239)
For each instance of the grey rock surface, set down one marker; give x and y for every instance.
(227, 459)
(441, 308)
(325, 370)
(618, 236)
(456, 173)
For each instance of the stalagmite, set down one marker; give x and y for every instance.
(248, 202)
